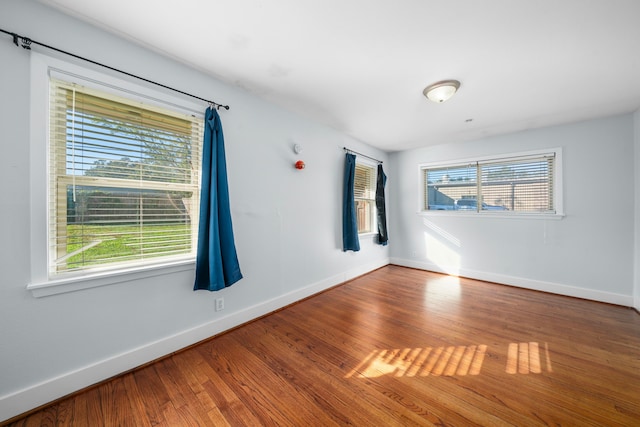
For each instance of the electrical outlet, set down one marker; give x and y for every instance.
(219, 304)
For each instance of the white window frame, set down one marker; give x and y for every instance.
(374, 210)
(557, 187)
(42, 66)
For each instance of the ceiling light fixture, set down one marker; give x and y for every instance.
(441, 91)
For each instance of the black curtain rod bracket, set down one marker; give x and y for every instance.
(26, 43)
(363, 155)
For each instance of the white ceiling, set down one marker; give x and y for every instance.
(360, 65)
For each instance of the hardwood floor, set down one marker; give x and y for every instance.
(397, 347)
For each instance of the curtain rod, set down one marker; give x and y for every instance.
(26, 43)
(360, 154)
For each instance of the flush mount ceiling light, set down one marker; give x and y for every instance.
(441, 91)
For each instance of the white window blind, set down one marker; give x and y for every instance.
(519, 184)
(123, 181)
(364, 193)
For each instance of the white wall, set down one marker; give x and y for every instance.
(636, 257)
(588, 253)
(286, 223)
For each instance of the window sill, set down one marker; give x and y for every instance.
(369, 235)
(74, 283)
(473, 214)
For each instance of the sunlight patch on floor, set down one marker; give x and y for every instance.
(434, 361)
(524, 358)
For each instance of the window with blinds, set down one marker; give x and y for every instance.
(365, 194)
(123, 181)
(519, 184)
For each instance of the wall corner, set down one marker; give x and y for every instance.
(636, 225)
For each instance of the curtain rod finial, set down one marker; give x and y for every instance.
(218, 106)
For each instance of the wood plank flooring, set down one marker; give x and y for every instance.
(396, 347)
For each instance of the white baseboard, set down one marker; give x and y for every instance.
(538, 285)
(19, 402)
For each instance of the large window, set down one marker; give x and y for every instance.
(518, 184)
(365, 197)
(123, 180)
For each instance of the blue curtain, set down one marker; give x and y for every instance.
(217, 264)
(381, 181)
(350, 240)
